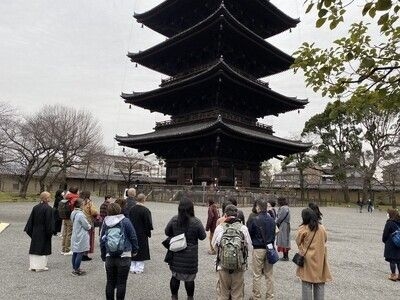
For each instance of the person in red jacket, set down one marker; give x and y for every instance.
(71, 196)
(213, 216)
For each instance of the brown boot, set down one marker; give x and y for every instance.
(393, 277)
(174, 297)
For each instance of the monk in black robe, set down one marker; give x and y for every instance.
(40, 228)
(140, 217)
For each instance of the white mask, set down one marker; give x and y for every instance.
(387, 216)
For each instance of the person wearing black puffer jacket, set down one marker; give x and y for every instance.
(184, 264)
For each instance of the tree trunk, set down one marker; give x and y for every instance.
(301, 174)
(346, 193)
(24, 187)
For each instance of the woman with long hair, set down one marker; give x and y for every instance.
(90, 211)
(392, 252)
(311, 238)
(57, 220)
(184, 264)
(315, 208)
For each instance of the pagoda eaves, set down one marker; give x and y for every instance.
(181, 95)
(220, 34)
(260, 16)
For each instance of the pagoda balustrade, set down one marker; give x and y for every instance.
(213, 115)
(194, 71)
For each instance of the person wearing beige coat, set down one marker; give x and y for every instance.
(315, 271)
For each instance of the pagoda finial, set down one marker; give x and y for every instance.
(219, 118)
(221, 58)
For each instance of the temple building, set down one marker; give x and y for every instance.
(215, 54)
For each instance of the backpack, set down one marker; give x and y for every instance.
(396, 237)
(115, 240)
(64, 210)
(232, 250)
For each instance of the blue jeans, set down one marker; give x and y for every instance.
(117, 269)
(76, 260)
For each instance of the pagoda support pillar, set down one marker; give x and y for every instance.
(181, 176)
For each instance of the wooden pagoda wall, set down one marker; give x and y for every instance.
(213, 171)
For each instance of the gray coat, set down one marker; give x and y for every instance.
(283, 218)
(80, 234)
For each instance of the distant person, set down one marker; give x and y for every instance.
(283, 223)
(311, 239)
(360, 203)
(90, 211)
(103, 209)
(370, 206)
(140, 217)
(117, 264)
(271, 209)
(184, 264)
(212, 217)
(122, 203)
(392, 252)
(230, 283)
(315, 208)
(130, 201)
(253, 214)
(70, 197)
(57, 220)
(262, 233)
(40, 228)
(80, 240)
(240, 216)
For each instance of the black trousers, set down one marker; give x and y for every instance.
(117, 269)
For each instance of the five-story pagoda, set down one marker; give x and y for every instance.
(215, 54)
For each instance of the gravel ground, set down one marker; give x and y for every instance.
(355, 256)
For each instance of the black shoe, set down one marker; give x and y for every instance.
(86, 258)
(284, 259)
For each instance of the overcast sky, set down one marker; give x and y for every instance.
(73, 52)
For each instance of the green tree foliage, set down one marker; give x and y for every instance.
(356, 62)
(356, 135)
(339, 143)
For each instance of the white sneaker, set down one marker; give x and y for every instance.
(62, 252)
(68, 253)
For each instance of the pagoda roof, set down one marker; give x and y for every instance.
(261, 97)
(253, 137)
(222, 34)
(174, 16)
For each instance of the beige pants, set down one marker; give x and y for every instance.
(66, 239)
(230, 286)
(260, 264)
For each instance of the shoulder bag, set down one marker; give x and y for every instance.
(298, 259)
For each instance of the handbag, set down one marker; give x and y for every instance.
(272, 254)
(178, 243)
(396, 237)
(298, 259)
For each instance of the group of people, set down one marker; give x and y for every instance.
(128, 219)
(232, 239)
(267, 230)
